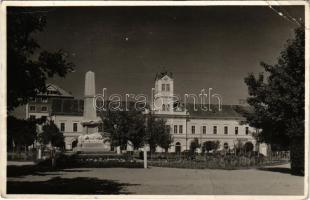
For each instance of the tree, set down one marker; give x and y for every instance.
(51, 135)
(248, 146)
(164, 137)
(194, 145)
(157, 133)
(210, 145)
(125, 126)
(278, 101)
(28, 68)
(21, 133)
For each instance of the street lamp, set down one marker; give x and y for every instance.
(118, 148)
(146, 112)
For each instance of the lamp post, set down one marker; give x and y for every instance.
(187, 119)
(146, 112)
(118, 148)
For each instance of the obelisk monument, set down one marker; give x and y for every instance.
(91, 139)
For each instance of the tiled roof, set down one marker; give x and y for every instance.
(162, 74)
(55, 91)
(226, 112)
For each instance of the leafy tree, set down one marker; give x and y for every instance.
(163, 132)
(28, 67)
(210, 145)
(157, 133)
(21, 133)
(248, 147)
(194, 145)
(51, 135)
(278, 101)
(125, 126)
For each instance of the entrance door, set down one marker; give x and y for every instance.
(177, 148)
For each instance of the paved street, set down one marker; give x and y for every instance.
(270, 181)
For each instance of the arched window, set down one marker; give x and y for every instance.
(168, 107)
(164, 107)
(178, 147)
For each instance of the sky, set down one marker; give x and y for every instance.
(204, 47)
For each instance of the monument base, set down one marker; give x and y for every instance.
(93, 143)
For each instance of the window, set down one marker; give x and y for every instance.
(43, 108)
(175, 129)
(168, 107)
(162, 87)
(236, 130)
(214, 129)
(44, 99)
(225, 130)
(62, 127)
(246, 130)
(204, 129)
(193, 129)
(164, 107)
(181, 129)
(32, 108)
(167, 87)
(44, 118)
(74, 127)
(32, 117)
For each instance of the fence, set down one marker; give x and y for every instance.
(218, 161)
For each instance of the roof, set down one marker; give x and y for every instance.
(55, 91)
(162, 74)
(226, 112)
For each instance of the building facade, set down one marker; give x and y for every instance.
(187, 122)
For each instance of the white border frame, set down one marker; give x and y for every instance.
(3, 112)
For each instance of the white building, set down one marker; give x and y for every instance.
(190, 121)
(186, 121)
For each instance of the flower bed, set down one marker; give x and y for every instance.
(217, 162)
(97, 161)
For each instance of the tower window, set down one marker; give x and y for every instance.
(167, 87)
(246, 130)
(163, 87)
(164, 107)
(168, 107)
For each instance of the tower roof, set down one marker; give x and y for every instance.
(162, 74)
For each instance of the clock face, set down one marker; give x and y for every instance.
(166, 78)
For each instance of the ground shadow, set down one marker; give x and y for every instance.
(58, 185)
(284, 170)
(39, 170)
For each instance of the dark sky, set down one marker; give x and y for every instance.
(215, 46)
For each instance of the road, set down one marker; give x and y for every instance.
(269, 181)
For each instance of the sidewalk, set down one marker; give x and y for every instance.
(20, 163)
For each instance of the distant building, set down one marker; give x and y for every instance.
(186, 121)
(190, 121)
